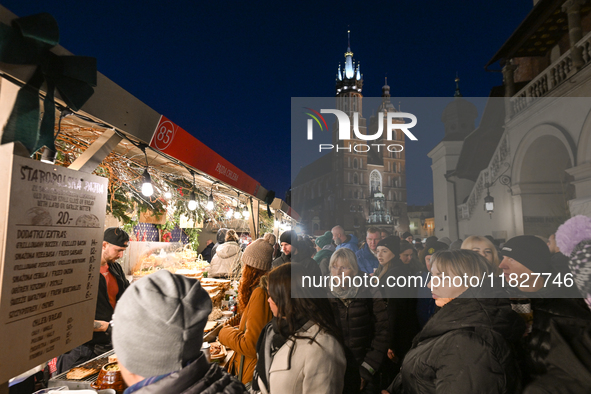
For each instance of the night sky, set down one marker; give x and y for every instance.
(226, 70)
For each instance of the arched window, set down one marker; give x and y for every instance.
(355, 178)
(355, 163)
(375, 182)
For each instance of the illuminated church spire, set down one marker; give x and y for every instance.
(349, 73)
(350, 78)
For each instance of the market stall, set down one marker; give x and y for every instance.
(165, 188)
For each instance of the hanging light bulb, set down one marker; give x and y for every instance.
(147, 188)
(245, 213)
(168, 195)
(210, 204)
(192, 202)
(237, 214)
(230, 213)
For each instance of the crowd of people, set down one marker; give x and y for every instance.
(532, 336)
(436, 338)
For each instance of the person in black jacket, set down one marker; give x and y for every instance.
(112, 284)
(523, 257)
(569, 360)
(285, 241)
(466, 347)
(361, 312)
(206, 253)
(401, 299)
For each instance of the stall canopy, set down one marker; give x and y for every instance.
(114, 122)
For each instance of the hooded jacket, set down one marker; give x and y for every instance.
(221, 239)
(466, 347)
(350, 243)
(226, 261)
(366, 260)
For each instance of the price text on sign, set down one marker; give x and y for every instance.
(50, 251)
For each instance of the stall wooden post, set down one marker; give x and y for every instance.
(253, 223)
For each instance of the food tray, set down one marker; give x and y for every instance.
(81, 384)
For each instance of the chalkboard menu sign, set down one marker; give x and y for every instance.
(51, 233)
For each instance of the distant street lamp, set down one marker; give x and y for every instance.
(489, 203)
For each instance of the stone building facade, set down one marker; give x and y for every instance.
(531, 153)
(355, 187)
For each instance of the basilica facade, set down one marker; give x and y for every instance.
(356, 187)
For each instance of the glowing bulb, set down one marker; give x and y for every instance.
(237, 215)
(192, 202)
(147, 188)
(210, 204)
(245, 213)
(230, 213)
(168, 195)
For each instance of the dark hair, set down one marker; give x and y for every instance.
(297, 302)
(305, 249)
(405, 245)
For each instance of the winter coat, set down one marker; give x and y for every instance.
(402, 308)
(364, 324)
(465, 348)
(206, 253)
(243, 339)
(537, 344)
(310, 264)
(226, 261)
(281, 260)
(104, 309)
(199, 377)
(304, 365)
(366, 260)
(350, 243)
(569, 360)
(221, 239)
(425, 303)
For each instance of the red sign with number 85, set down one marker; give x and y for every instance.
(178, 143)
(164, 135)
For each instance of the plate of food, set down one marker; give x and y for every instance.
(217, 351)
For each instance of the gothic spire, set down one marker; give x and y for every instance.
(349, 71)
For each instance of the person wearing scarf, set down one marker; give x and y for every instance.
(361, 312)
(300, 351)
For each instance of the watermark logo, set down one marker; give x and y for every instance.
(344, 129)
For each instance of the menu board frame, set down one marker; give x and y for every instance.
(51, 233)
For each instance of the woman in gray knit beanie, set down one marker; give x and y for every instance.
(242, 332)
